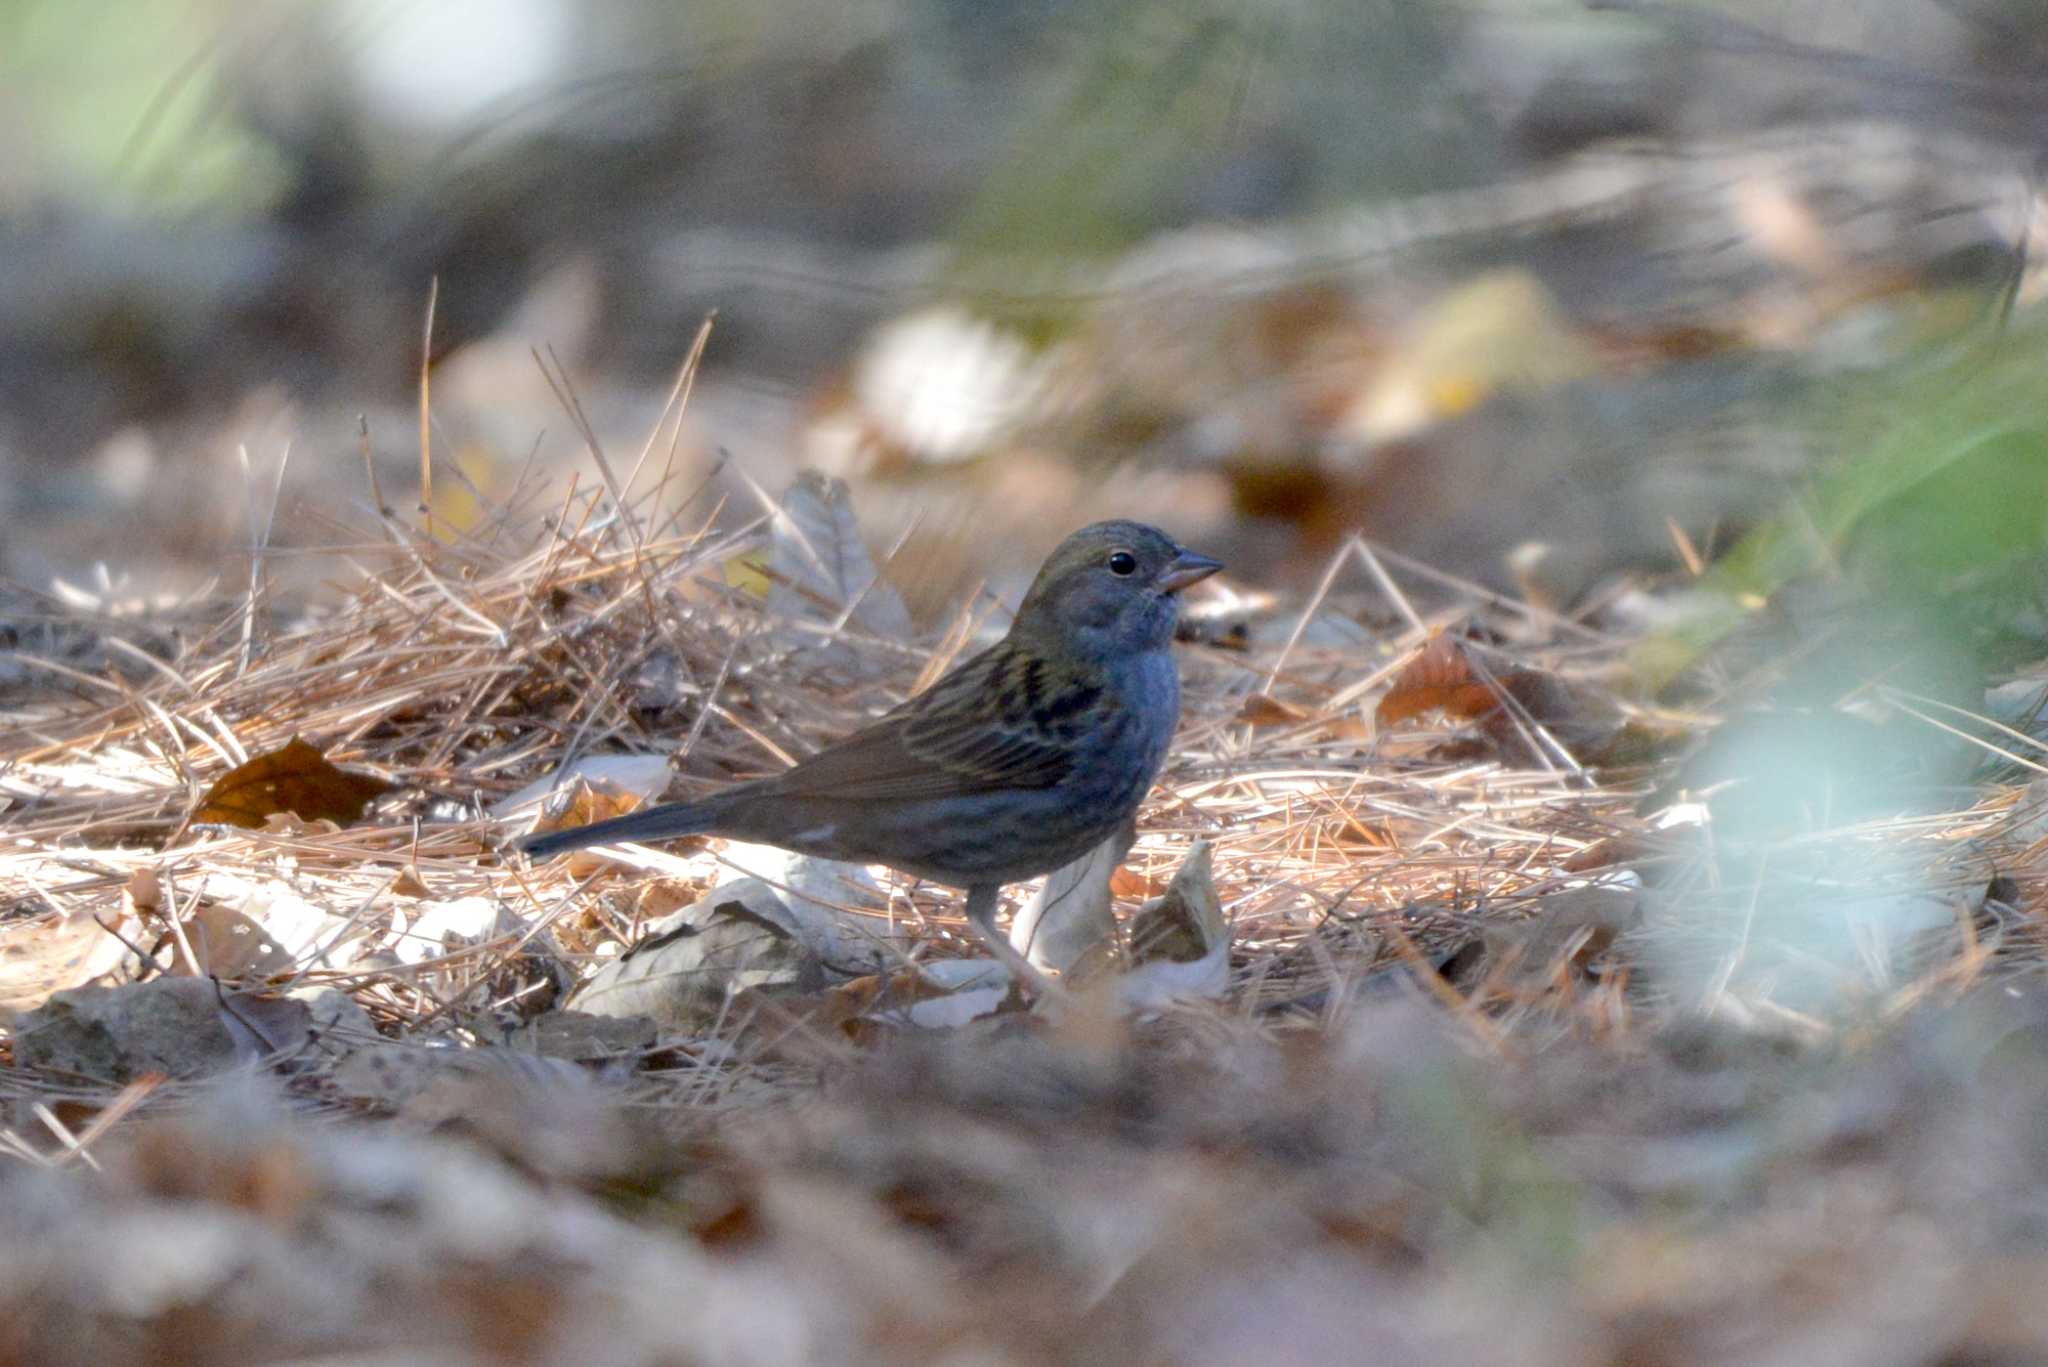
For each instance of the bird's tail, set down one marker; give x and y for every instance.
(666, 822)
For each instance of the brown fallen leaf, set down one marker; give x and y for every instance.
(228, 945)
(142, 892)
(1608, 852)
(846, 1007)
(1128, 882)
(665, 896)
(1262, 709)
(1578, 719)
(591, 800)
(297, 779)
(1439, 679)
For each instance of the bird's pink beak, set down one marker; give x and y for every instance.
(1185, 569)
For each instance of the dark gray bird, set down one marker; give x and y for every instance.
(1016, 762)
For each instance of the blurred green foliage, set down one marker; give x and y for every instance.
(122, 104)
(1935, 498)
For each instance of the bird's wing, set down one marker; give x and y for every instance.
(1004, 719)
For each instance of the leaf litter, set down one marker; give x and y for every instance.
(1436, 984)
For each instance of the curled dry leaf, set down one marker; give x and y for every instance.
(1439, 679)
(591, 800)
(295, 778)
(821, 568)
(664, 897)
(1128, 882)
(292, 824)
(1179, 943)
(1068, 920)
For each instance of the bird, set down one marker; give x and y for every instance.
(1017, 761)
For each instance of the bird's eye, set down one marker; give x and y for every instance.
(1122, 563)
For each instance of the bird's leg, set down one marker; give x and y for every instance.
(981, 914)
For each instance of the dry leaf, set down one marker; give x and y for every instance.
(40, 955)
(143, 892)
(590, 801)
(945, 994)
(1441, 679)
(1262, 709)
(1580, 721)
(1608, 852)
(229, 945)
(1068, 919)
(1438, 679)
(296, 779)
(856, 1008)
(409, 884)
(1348, 726)
(665, 896)
(1179, 943)
(820, 567)
(262, 1024)
(1128, 882)
(292, 824)
(647, 775)
(739, 936)
(181, 1027)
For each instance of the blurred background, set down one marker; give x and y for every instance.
(1538, 291)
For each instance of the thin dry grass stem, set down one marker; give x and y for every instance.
(1307, 615)
(426, 505)
(1900, 698)
(1480, 596)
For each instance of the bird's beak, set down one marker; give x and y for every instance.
(1185, 569)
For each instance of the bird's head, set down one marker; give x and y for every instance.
(1109, 591)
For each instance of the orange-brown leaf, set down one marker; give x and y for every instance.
(143, 891)
(1126, 881)
(1438, 679)
(296, 779)
(589, 802)
(1261, 709)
